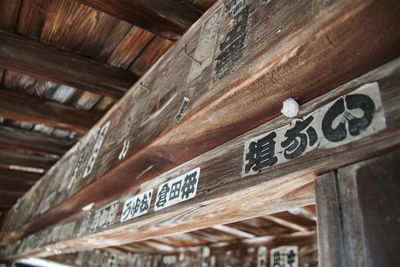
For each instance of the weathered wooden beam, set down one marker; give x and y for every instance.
(224, 193)
(21, 176)
(17, 106)
(20, 140)
(260, 77)
(286, 223)
(358, 211)
(23, 159)
(168, 19)
(43, 61)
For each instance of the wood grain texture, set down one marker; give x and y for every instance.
(159, 143)
(168, 19)
(28, 85)
(130, 48)
(223, 195)
(238, 253)
(29, 141)
(24, 159)
(155, 49)
(358, 213)
(238, 102)
(201, 4)
(17, 106)
(20, 176)
(9, 10)
(90, 33)
(48, 63)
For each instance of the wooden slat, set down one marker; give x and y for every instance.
(247, 96)
(17, 106)
(28, 85)
(23, 159)
(90, 33)
(169, 19)
(9, 10)
(358, 211)
(20, 176)
(223, 195)
(156, 48)
(16, 140)
(130, 48)
(46, 62)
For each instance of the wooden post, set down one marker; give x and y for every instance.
(358, 213)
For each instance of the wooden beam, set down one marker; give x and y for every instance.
(223, 195)
(46, 62)
(286, 223)
(29, 177)
(168, 19)
(266, 74)
(17, 106)
(358, 211)
(20, 140)
(23, 159)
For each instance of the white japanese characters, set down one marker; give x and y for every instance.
(136, 206)
(96, 149)
(105, 216)
(177, 190)
(285, 256)
(344, 120)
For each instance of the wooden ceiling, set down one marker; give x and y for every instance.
(63, 64)
(237, 243)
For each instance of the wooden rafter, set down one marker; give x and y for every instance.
(23, 159)
(168, 19)
(17, 106)
(46, 62)
(23, 140)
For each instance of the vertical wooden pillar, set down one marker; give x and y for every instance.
(358, 209)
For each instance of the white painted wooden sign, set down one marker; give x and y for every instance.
(177, 190)
(349, 118)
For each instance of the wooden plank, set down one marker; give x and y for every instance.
(155, 49)
(29, 141)
(20, 176)
(168, 19)
(17, 106)
(90, 33)
(46, 62)
(9, 10)
(206, 123)
(24, 159)
(28, 85)
(222, 192)
(130, 48)
(358, 213)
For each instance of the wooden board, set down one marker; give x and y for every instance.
(17, 106)
(28, 141)
(46, 62)
(358, 213)
(169, 19)
(221, 108)
(222, 192)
